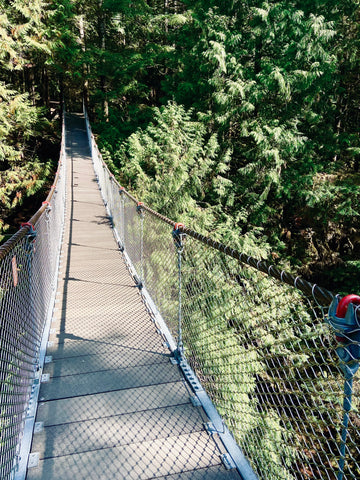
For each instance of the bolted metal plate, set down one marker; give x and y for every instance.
(45, 378)
(39, 427)
(33, 460)
(190, 376)
(210, 428)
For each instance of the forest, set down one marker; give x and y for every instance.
(237, 118)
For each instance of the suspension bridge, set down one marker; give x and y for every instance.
(133, 347)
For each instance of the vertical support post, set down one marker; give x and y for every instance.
(348, 388)
(141, 213)
(29, 252)
(111, 203)
(179, 240)
(180, 345)
(122, 219)
(30, 248)
(343, 317)
(49, 243)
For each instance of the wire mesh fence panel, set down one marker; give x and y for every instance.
(160, 269)
(133, 234)
(267, 359)
(28, 265)
(19, 341)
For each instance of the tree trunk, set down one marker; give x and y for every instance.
(102, 38)
(45, 87)
(83, 47)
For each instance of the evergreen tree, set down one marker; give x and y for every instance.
(23, 53)
(173, 167)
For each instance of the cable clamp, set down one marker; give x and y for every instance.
(179, 235)
(31, 235)
(32, 230)
(343, 317)
(140, 209)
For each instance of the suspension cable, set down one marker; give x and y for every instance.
(321, 295)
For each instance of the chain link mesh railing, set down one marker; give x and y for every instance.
(28, 265)
(278, 364)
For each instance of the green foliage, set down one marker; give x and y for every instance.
(25, 47)
(172, 165)
(334, 199)
(241, 119)
(63, 32)
(17, 120)
(236, 118)
(273, 81)
(21, 182)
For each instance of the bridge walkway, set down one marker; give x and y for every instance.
(114, 406)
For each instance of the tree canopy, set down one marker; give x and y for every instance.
(264, 96)
(273, 84)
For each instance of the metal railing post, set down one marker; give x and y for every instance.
(141, 212)
(122, 219)
(48, 237)
(179, 239)
(30, 249)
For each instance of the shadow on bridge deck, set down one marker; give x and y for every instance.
(114, 406)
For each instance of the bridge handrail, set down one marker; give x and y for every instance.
(321, 295)
(28, 278)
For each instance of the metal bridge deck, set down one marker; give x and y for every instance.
(114, 407)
